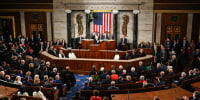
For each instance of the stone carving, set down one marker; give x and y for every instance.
(80, 25)
(124, 25)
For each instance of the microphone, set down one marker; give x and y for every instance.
(86, 45)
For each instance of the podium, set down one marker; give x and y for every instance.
(104, 45)
(86, 43)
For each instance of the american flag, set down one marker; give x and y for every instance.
(102, 23)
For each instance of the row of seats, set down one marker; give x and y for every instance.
(88, 93)
(50, 93)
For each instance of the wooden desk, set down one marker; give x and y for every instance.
(170, 94)
(7, 91)
(196, 86)
(81, 65)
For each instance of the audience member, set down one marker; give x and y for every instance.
(38, 93)
(112, 87)
(22, 91)
(95, 95)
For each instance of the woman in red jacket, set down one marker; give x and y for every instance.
(96, 95)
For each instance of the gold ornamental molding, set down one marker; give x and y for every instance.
(176, 11)
(176, 3)
(26, 3)
(29, 10)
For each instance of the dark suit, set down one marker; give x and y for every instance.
(113, 88)
(133, 74)
(96, 41)
(69, 78)
(27, 83)
(10, 40)
(32, 42)
(141, 45)
(105, 37)
(79, 42)
(86, 88)
(140, 69)
(57, 43)
(100, 88)
(141, 54)
(182, 43)
(48, 85)
(38, 40)
(126, 57)
(63, 44)
(123, 44)
(133, 56)
(155, 53)
(163, 54)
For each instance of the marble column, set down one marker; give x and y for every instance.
(158, 27)
(49, 32)
(68, 12)
(135, 32)
(189, 26)
(23, 27)
(87, 24)
(115, 13)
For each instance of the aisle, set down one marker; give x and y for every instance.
(80, 79)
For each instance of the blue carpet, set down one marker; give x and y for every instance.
(80, 79)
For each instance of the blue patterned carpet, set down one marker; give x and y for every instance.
(80, 79)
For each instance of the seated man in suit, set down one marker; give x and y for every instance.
(57, 80)
(49, 83)
(105, 36)
(54, 52)
(57, 42)
(181, 79)
(86, 86)
(112, 87)
(77, 96)
(99, 87)
(126, 56)
(141, 45)
(141, 53)
(96, 40)
(79, 42)
(134, 54)
(123, 43)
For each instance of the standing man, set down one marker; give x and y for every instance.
(184, 43)
(123, 43)
(79, 42)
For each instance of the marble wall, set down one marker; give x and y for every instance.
(125, 7)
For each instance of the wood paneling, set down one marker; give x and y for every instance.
(100, 54)
(196, 28)
(82, 64)
(176, 4)
(26, 4)
(30, 20)
(176, 1)
(16, 18)
(167, 20)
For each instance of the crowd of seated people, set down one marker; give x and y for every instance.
(163, 68)
(20, 64)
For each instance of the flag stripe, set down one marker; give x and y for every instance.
(102, 23)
